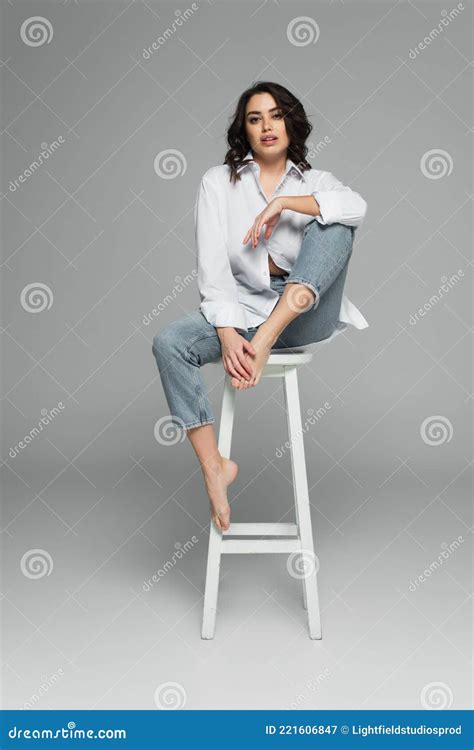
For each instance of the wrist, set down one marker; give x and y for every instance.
(280, 202)
(223, 330)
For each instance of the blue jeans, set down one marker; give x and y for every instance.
(189, 342)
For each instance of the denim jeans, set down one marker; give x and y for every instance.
(189, 342)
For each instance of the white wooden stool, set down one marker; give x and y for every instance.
(296, 538)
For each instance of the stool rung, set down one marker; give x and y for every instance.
(261, 529)
(251, 546)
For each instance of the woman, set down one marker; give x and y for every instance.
(259, 290)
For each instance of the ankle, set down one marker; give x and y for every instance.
(212, 465)
(268, 333)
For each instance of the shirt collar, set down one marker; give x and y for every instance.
(290, 165)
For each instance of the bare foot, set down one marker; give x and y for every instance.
(262, 343)
(217, 479)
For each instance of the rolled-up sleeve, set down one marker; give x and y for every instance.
(337, 202)
(217, 286)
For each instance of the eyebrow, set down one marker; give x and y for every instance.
(257, 112)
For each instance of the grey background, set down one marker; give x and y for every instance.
(96, 491)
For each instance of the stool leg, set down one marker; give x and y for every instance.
(300, 484)
(305, 604)
(215, 536)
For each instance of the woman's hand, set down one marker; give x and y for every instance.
(269, 216)
(233, 347)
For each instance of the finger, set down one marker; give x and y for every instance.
(257, 234)
(253, 236)
(230, 369)
(248, 346)
(237, 371)
(238, 365)
(268, 231)
(248, 367)
(247, 237)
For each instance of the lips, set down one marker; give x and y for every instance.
(269, 139)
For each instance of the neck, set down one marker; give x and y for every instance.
(273, 165)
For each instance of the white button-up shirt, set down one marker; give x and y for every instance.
(234, 279)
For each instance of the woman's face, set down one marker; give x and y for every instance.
(265, 126)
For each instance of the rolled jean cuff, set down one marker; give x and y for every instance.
(311, 286)
(198, 424)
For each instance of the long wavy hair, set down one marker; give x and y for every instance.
(297, 126)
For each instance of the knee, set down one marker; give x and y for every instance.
(338, 233)
(164, 342)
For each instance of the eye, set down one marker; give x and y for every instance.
(253, 120)
(278, 115)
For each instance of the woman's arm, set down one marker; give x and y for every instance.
(220, 303)
(338, 203)
(329, 201)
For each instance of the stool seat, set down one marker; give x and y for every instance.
(293, 357)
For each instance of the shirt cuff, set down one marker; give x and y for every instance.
(220, 314)
(329, 206)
